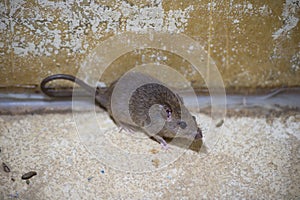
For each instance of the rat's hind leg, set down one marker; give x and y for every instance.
(126, 127)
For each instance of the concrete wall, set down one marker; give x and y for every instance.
(253, 43)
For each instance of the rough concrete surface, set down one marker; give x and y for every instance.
(254, 158)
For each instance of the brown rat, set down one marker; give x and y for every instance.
(140, 102)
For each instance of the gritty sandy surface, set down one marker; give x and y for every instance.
(254, 158)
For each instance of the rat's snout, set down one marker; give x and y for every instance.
(198, 134)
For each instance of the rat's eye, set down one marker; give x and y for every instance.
(169, 113)
(182, 124)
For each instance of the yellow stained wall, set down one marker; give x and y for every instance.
(253, 43)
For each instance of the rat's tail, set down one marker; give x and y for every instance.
(52, 92)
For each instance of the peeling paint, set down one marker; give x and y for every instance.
(57, 35)
(290, 19)
(66, 24)
(236, 21)
(242, 8)
(264, 10)
(295, 61)
(177, 20)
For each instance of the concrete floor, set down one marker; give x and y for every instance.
(254, 158)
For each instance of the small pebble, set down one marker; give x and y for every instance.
(102, 171)
(14, 195)
(28, 175)
(5, 167)
(27, 182)
(220, 123)
(12, 179)
(155, 162)
(154, 151)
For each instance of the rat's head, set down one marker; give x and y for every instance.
(179, 123)
(158, 110)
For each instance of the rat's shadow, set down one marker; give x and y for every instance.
(182, 143)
